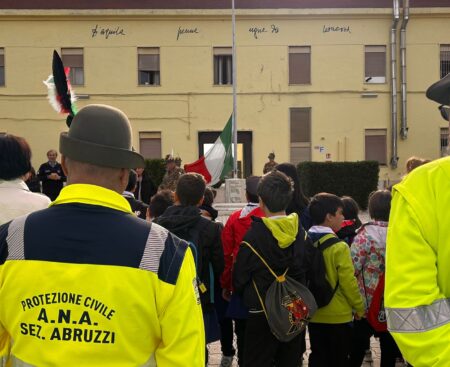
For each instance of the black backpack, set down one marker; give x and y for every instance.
(318, 284)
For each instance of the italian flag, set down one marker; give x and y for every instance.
(218, 161)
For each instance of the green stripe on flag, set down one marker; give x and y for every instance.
(226, 138)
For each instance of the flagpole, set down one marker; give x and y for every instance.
(234, 120)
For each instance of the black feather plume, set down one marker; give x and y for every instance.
(62, 87)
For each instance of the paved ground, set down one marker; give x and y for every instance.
(215, 355)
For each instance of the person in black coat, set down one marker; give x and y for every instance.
(145, 187)
(185, 221)
(138, 207)
(52, 176)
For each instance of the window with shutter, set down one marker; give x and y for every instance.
(150, 145)
(375, 145)
(375, 64)
(223, 66)
(300, 65)
(148, 66)
(445, 60)
(300, 135)
(444, 141)
(74, 59)
(2, 67)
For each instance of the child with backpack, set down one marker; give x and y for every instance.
(274, 246)
(368, 253)
(330, 327)
(184, 220)
(233, 233)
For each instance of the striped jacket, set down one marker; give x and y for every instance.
(86, 283)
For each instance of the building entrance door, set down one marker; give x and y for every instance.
(244, 150)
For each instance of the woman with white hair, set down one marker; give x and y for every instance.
(16, 199)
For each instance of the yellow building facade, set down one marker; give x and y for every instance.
(168, 70)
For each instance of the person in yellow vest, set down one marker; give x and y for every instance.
(87, 283)
(417, 291)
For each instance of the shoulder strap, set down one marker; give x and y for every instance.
(327, 241)
(279, 278)
(323, 243)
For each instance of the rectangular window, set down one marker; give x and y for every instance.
(2, 66)
(148, 66)
(300, 127)
(223, 66)
(375, 145)
(375, 64)
(445, 60)
(444, 141)
(300, 65)
(73, 58)
(150, 144)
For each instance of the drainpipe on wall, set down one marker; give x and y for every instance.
(395, 19)
(404, 125)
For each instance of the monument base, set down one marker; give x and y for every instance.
(235, 190)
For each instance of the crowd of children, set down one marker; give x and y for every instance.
(287, 231)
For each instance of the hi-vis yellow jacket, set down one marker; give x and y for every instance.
(417, 292)
(86, 283)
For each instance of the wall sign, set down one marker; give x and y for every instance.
(339, 29)
(256, 31)
(107, 32)
(182, 31)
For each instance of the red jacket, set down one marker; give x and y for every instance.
(232, 235)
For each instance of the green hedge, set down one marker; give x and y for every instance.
(355, 179)
(156, 168)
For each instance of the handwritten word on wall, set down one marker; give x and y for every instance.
(107, 32)
(257, 31)
(339, 29)
(186, 31)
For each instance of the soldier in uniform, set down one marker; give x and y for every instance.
(170, 179)
(269, 166)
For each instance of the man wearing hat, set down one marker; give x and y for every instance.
(85, 282)
(417, 291)
(269, 166)
(172, 175)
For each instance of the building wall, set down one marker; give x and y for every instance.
(187, 101)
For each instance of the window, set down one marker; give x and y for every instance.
(375, 64)
(444, 141)
(2, 66)
(375, 145)
(445, 60)
(223, 66)
(300, 65)
(150, 144)
(148, 66)
(73, 58)
(300, 134)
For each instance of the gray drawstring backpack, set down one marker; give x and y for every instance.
(288, 304)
